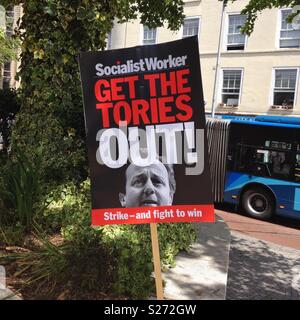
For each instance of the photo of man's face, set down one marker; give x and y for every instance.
(147, 186)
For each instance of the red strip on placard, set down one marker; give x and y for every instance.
(138, 215)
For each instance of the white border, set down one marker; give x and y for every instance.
(271, 94)
(220, 85)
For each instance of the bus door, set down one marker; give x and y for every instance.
(296, 184)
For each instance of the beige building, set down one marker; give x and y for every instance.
(258, 74)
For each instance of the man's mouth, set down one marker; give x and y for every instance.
(149, 203)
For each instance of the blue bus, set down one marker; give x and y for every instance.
(255, 163)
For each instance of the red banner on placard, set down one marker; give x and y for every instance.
(190, 213)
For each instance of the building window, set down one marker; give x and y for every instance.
(9, 21)
(2, 17)
(235, 39)
(289, 37)
(6, 75)
(231, 88)
(149, 35)
(284, 87)
(190, 27)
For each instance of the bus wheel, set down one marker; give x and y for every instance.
(258, 203)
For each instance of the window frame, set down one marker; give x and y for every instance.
(225, 38)
(142, 36)
(220, 91)
(271, 98)
(9, 25)
(191, 18)
(278, 38)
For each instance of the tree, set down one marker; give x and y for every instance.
(254, 7)
(53, 32)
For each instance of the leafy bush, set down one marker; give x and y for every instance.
(61, 150)
(20, 189)
(129, 245)
(69, 208)
(52, 268)
(111, 258)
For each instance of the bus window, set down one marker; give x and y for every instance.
(265, 163)
(297, 166)
(261, 163)
(244, 158)
(253, 160)
(280, 166)
(263, 156)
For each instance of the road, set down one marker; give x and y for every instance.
(264, 258)
(280, 231)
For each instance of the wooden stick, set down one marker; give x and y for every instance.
(156, 261)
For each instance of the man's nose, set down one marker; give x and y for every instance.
(149, 188)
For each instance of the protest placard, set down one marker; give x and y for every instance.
(145, 122)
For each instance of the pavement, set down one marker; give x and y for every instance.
(262, 270)
(232, 265)
(201, 273)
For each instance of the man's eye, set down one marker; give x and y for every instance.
(137, 182)
(157, 182)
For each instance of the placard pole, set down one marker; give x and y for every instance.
(156, 262)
